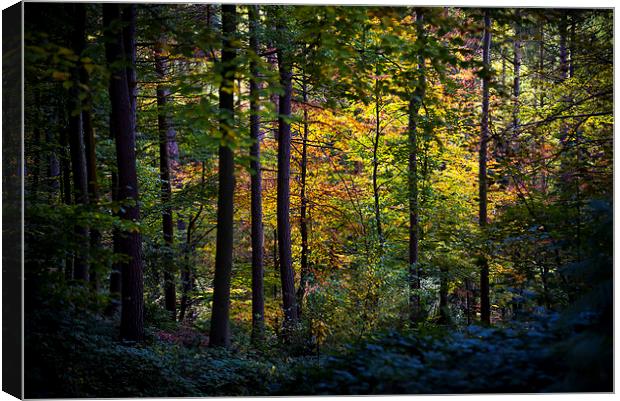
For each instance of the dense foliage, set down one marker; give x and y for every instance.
(330, 200)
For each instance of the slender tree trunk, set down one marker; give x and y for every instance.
(485, 306)
(303, 218)
(116, 274)
(91, 171)
(76, 144)
(164, 126)
(468, 301)
(258, 295)
(541, 64)
(276, 263)
(572, 47)
(283, 184)
(53, 167)
(220, 334)
(517, 75)
(444, 312)
(541, 97)
(36, 162)
(130, 245)
(65, 189)
(563, 49)
(503, 54)
(186, 275)
(375, 159)
(414, 107)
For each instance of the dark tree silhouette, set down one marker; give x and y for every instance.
(220, 333)
(258, 296)
(132, 301)
(284, 173)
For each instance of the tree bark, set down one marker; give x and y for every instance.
(517, 75)
(541, 64)
(563, 49)
(415, 102)
(444, 312)
(164, 126)
(128, 16)
(65, 188)
(53, 167)
(375, 159)
(485, 307)
(132, 287)
(187, 273)
(303, 212)
(91, 170)
(573, 44)
(76, 144)
(258, 296)
(287, 275)
(115, 274)
(220, 334)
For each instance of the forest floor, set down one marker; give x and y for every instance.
(76, 353)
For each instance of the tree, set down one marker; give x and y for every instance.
(285, 69)
(517, 74)
(485, 305)
(375, 157)
(76, 142)
(220, 333)
(164, 125)
(132, 301)
(415, 103)
(303, 208)
(258, 296)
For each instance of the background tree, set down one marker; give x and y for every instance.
(220, 334)
(132, 301)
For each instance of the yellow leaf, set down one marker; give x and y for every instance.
(60, 76)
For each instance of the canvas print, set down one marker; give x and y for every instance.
(244, 200)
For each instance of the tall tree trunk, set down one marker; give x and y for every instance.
(541, 98)
(565, 170)
(517, 75)
(65, 188)
(37, 148)
(283, 183)
(91, 170)
(220, 334)
(303, 212)
(415, 102)
(130, 245)
(258, 295)
(187, 274)
(128, 16)
(375, 159)
(76, 143)
(163, 122)
(115, 274)
(563, 48)
(572, 47)
(485, 306)
(541, 64)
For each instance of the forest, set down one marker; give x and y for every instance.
(253, 200)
